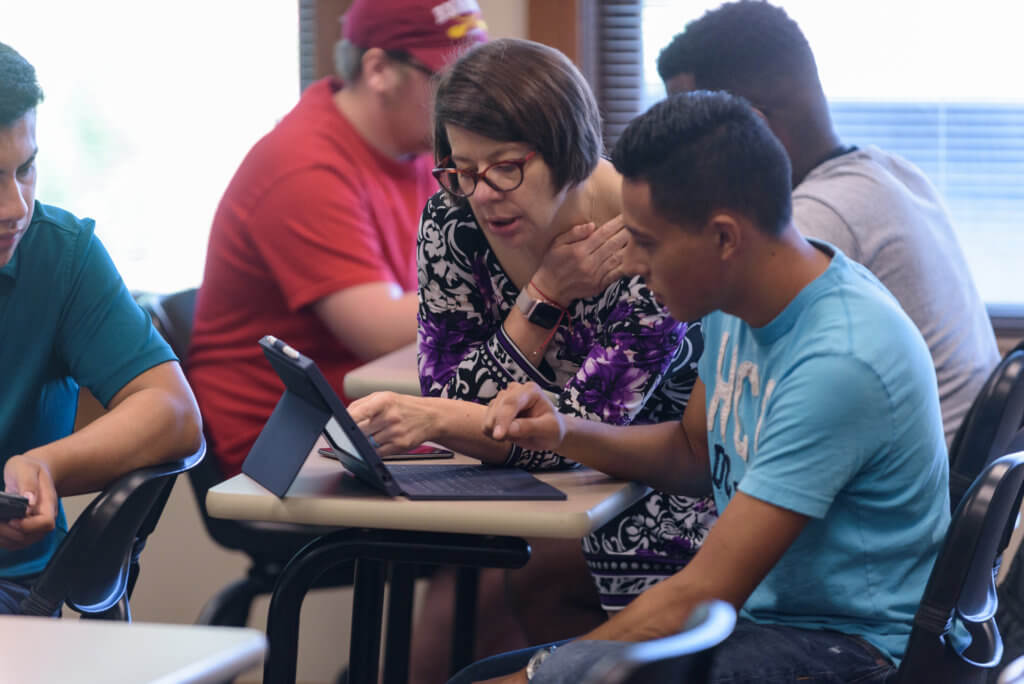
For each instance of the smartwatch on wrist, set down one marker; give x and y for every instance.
(537, 311)
(536, 659)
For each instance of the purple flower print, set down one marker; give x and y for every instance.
(482, 277)
(652, 348)
(612, 384)
(577, 340)
(620, 313)
(443, 343)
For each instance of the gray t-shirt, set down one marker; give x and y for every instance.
(882, 212)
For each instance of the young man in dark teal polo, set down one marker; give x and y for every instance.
(67, 320)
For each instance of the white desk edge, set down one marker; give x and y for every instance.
(119, 652)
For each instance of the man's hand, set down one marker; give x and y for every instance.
(396, 422)
(30, 478)
(583, 262)
(525, 415)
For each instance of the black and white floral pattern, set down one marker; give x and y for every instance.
(618, 358)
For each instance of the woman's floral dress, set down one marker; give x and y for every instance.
(617, 358)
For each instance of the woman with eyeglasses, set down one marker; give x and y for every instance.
(523, 277)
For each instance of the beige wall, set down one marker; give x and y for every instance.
(506, 18)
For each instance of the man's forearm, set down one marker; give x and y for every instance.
(149, 426)
(370, 320)
(660, 611)
(658, 455)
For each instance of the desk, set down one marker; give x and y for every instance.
(383, 530)
(395, 372)
(73, 651)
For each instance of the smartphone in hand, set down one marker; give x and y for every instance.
(12, 506)
(420, 453)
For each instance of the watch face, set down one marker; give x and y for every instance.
(545, 315)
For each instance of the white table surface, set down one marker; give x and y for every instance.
(323, 494)
(395, 372)
(71, 651)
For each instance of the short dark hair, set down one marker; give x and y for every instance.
(745, 47)
(19, 89)
(520, 91)
(702, 152)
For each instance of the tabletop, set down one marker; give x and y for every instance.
(324, 494)
(73, 651)
(395, 372)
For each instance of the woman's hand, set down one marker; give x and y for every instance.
(525, 415)
(395, 422)
(582, 262)
(30, 478)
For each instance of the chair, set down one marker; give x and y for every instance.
(96, 565)
(993, 419)
(269, 545)
(962, 582)
(681, 657)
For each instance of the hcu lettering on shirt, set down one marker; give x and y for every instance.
(727, 394)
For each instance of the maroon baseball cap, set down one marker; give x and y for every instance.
(432, 31)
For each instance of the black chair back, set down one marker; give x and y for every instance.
(269, 545)
(682, 657)
(173, 315)
(962, 582)
(995, 416)
(95, 567)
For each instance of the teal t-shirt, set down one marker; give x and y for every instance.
(66, 319)
(831, 410)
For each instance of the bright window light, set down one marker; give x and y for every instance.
(149, 110)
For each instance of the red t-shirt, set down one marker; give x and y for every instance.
(312, 210)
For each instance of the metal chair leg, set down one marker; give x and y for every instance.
(399, 634)
(467, 581)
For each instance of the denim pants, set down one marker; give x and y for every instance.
(12, 591)
(752, 653)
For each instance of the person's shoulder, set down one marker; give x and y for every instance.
(857, 290)
(853, 313)
(57, 233)
(447, 214)
(313, 133)
(865, 179)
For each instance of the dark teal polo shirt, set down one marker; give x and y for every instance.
(66, 319)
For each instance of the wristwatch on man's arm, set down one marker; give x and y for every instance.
(536, 659)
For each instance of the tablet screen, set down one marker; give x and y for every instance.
(339, 440)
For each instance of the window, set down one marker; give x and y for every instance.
(937, 86)
(149, 110)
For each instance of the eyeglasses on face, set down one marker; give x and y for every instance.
(403, 57)
(502, 176)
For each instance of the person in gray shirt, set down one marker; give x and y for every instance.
(876, 207)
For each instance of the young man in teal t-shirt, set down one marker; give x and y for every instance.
(815, 421)
(67, 320)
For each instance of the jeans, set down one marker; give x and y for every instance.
(752, 653)
(12, 591)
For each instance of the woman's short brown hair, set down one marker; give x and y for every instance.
(519, 91)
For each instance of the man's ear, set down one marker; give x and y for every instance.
(379, 74)
(727, 234)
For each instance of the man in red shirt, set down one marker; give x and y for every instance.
(314, 240)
